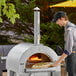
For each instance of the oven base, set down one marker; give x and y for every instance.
(51, 73)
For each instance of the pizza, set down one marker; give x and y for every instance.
(42, 65)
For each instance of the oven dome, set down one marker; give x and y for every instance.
(17, 57)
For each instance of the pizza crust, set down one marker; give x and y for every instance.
(42, 65)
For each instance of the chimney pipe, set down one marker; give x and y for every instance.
(36, 26)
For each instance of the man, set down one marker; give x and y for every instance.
(69, 54)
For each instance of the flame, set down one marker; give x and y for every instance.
(35, 58)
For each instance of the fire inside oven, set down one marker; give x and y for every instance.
(37, 59)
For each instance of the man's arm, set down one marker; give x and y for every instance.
(63, 56)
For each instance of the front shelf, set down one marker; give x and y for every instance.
(52, 69)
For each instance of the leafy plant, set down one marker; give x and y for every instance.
(52, 35)
(8, 9)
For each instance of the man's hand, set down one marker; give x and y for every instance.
(58, 62)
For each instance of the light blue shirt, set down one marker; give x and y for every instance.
(70, 37)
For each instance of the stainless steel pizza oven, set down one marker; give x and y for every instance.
(24, 56)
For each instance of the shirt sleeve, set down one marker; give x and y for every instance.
(69, 41)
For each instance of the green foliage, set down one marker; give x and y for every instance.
(8, 9)
(29, 38)
(52, 35)
(25, 10)
(2, 3)
(1, 20)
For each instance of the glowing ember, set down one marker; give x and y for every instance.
(35, 58)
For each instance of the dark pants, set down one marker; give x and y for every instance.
(71, 64)
(0, 68)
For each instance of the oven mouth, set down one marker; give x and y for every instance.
(38, 59)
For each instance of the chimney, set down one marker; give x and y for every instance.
(36, 26)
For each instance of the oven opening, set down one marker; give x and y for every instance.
(37, 59)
